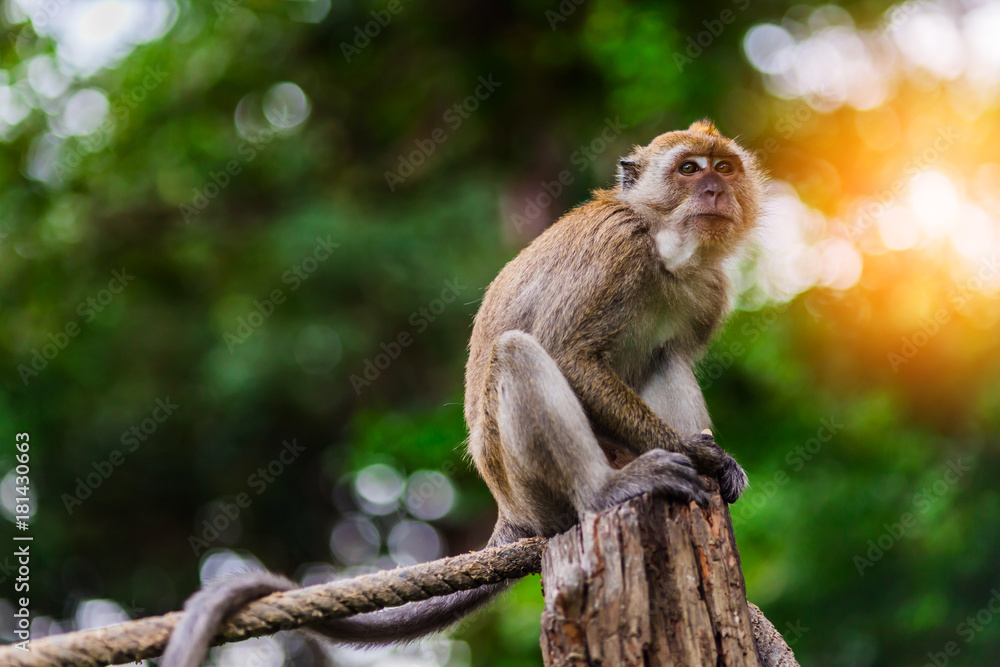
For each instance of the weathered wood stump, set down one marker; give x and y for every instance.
(650, 583)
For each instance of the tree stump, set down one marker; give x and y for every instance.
(650, 583)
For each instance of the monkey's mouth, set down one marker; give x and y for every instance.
(714, 227)
(718, 215)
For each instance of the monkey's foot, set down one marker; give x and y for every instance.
(657, 471)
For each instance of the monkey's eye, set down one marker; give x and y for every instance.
(724, 167)
(689, 167)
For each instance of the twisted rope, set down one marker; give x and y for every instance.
(147, 637)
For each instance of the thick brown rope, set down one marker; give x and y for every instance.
(147, 637)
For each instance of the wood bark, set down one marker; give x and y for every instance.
(650, 583)
(771, 646)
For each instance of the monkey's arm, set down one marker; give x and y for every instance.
(618, 409)
(593, 321)
(614, 406)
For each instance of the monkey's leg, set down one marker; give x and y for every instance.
(672, 392)
(556, 469)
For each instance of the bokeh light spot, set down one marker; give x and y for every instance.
(286, 106)
(380, 485)
(934, 200)
(412, 542)
(769, 48)
(897, 228)
(429, 495)
(355, 540)
(317, 349)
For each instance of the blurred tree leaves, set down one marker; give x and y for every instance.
(164, 335)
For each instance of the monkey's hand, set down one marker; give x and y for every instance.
(713, 460)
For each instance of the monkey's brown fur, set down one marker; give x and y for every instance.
(580, 392)
(593, 291)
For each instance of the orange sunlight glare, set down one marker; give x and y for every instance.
(922, 91)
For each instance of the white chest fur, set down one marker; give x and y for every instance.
(675, 249)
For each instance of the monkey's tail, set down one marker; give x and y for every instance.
(417, 619)
(205, 610)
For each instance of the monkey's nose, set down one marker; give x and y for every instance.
(712, 195)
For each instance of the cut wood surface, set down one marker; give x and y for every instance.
(649, 584)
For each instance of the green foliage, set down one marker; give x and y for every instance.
(412, 259)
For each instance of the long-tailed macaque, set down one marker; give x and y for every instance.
(579, 390)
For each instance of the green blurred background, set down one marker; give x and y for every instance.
(242, 244)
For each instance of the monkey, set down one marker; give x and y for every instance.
(580, 388)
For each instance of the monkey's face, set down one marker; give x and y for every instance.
(701, 193)
(704, 187)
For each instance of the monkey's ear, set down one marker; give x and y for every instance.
(628, 174)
